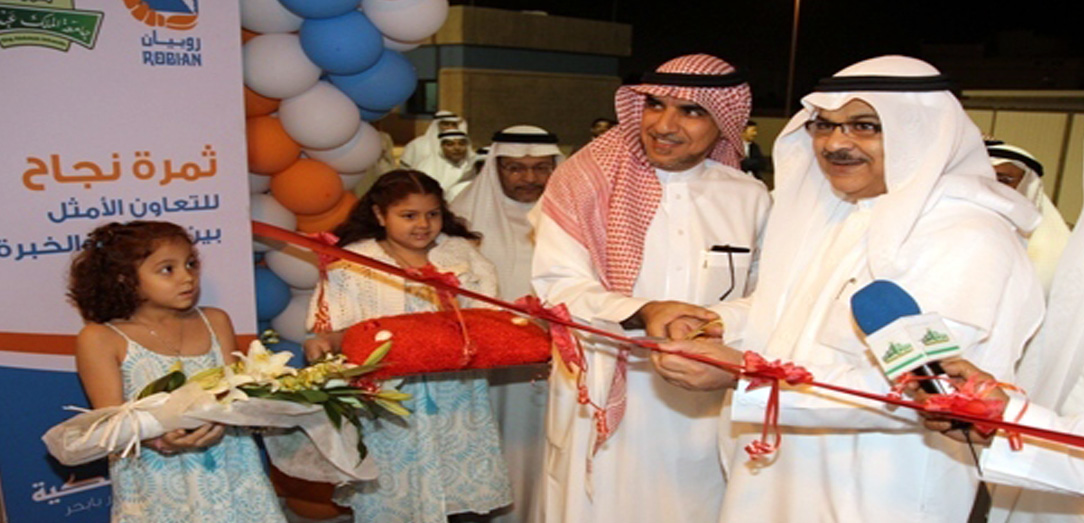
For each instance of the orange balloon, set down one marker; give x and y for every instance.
(257, 104)
(270, 149)
(307, 187)
(247, 35)
(329, 219)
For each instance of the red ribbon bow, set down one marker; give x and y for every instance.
(761, 372)
(971, 398)
(428, 273)
(567, 345)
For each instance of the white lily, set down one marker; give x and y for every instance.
(231, 381)
(264, 366)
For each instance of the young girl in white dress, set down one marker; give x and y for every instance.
(445, 457)
(137, 285)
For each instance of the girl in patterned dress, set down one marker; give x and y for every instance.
(136, 285)
(445, 457)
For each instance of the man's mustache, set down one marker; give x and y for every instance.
(841, 155)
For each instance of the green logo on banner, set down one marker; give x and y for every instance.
(47, 23)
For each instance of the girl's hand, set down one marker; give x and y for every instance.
(326, 343)
(316, 347)
(181, 440)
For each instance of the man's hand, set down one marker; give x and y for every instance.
(960, 370)
(656, 317)
(692, 374)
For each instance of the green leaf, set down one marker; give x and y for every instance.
(392, 407)
(378, 354)
(354, 372)
(314, 396)
(168, 383)
(393, 395)
(334, 415)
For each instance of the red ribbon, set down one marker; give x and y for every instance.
(322, 323)
(568, 346)
(971, 398)
(429, 275)
(762, 373)
(270, 231)
(572, 357)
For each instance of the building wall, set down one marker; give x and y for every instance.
(499, 68)
(564, 104)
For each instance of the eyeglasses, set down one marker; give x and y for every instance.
(517, 169)
(822, 128)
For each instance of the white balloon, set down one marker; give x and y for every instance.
(268, 210)
(290, 323)
(276, 67)
(402, 47)
(295, 265)
(258, 183)
(320, 118)
(268, 16)
(406, 20)
(359, 153)
(351, 180)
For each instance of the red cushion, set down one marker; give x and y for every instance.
(433, 342)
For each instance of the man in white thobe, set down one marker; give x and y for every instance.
(650, 214)
(496, 203)
(1020, 170)
(453, 165)
(1052, 374)
(428, 144)
(881, 175)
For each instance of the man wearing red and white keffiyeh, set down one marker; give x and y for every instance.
(645, 221)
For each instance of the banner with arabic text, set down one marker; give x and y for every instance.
(113, 111)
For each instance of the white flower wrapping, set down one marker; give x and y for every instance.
(315, 447)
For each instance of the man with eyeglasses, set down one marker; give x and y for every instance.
(516, 169)
(881, 175)
(645, 220)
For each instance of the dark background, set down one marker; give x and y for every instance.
(982, 45)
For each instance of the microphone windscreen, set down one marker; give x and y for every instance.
(880, 303)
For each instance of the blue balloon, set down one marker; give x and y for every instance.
(346, 44)
(262, 325)
(320, 8)
(384, 85)
(371, 116)
(272, 294)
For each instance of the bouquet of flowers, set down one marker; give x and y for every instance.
(259, 390)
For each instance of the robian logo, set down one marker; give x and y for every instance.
(896, 351)
(180, 15)
(26, 22)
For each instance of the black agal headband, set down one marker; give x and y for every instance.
(835, 84)
(694, 80)
(524, 138)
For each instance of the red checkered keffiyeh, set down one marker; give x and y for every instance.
(606, 195)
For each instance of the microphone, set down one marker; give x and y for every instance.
(901, 338)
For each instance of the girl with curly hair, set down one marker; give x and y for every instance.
(137, 285)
